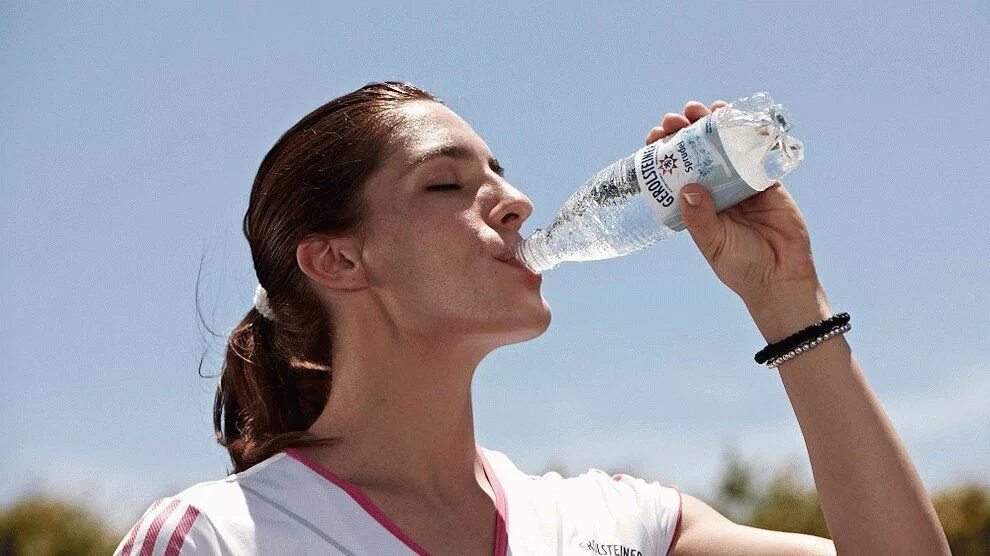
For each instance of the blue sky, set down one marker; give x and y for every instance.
(130, 135)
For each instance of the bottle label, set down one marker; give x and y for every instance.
(692, 155)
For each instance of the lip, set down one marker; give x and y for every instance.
(519, 264)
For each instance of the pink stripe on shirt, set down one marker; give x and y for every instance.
(501, 546)
(178, 537)
(677, 526)
(156, 526)
(361, 498)
(126, 550)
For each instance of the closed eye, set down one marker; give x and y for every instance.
(444, 187)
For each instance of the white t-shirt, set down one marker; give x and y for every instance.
(289, 504)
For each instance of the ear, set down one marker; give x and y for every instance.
(332, 261)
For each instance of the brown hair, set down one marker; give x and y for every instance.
(276, 374)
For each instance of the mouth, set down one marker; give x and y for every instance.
(514, 261)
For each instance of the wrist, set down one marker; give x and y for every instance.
(788, 309)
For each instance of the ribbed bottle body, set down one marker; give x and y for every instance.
(736, 152)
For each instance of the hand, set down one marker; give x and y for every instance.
(760, 247)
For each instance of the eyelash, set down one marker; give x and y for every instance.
(444, 187)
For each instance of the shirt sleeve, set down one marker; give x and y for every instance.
(170, 527)
(659, 505)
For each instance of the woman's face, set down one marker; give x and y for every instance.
(441, 218)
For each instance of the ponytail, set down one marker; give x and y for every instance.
(264, 401)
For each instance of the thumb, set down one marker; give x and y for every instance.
(698, 212)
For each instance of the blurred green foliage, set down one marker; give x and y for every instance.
(44, 526)
(965, 515)
(749, 494)
(781, 502)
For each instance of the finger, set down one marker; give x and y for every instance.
(655, 134)
(719, 104)
(698, 212)
(673, 122)
(695, 110)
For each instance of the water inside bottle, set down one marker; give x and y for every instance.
(610, 215)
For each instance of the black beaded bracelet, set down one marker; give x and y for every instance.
(808, 346)
(777, 349)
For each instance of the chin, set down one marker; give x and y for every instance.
(498, 327)
(531, 328)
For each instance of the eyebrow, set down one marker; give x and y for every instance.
(459, 152)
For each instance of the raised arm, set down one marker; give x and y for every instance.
(871, 495)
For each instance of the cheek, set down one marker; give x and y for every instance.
(444, 259)
(420, 252)
(445, 268)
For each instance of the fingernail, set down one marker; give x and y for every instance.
(692, 198)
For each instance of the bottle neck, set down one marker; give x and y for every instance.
(534, 252)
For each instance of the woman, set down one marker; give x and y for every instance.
(382, 232)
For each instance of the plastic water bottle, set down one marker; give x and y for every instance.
(736, 152)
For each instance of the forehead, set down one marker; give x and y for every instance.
(427, 126)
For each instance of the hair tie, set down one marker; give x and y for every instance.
(261, 303)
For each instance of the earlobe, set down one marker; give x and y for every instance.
(332, 262)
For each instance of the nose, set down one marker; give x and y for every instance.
(512, 209)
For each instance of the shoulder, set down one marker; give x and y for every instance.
(598, 498)
(619, 490)
(211, 517)
(226, 499)
(657, 506)
(170, 526)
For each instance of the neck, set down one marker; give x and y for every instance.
(400, 405)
